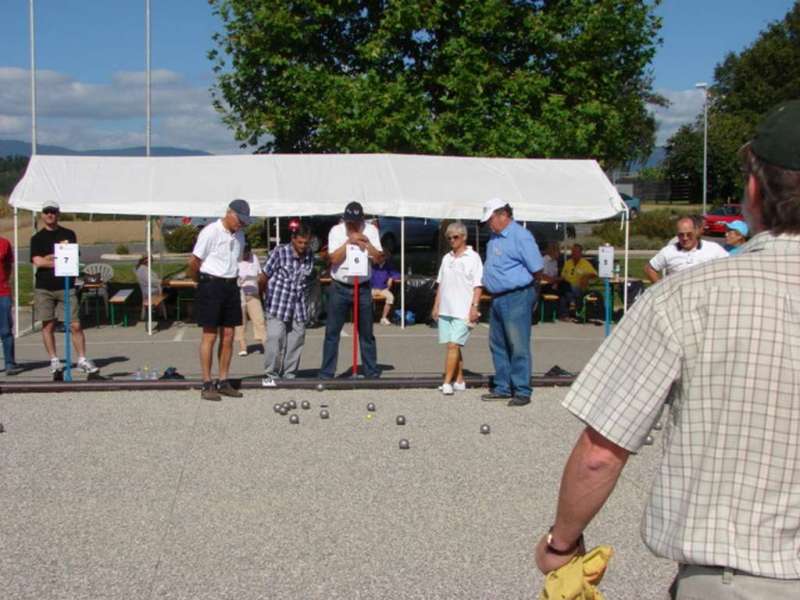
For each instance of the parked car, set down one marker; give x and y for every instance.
(633, 203)
(715, 221)
(170, 224)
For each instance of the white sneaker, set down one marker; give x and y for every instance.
(55, 365)
(87, 366)
(268, 381)
(460, 387)
(385, 322)
(242, 352)
(447, 389)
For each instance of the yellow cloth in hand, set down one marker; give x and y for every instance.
(577, 579)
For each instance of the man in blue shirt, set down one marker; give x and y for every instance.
(513, 263)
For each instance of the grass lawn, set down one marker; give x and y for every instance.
(124, 276)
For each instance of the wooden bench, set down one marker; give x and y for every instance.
(120, 299)
(157, 301)
(552, 299)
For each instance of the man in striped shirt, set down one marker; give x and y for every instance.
(286, 276)
(720, 343)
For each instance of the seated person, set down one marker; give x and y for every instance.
(383, 277)
(735, 236)
(550, 280)
(142, 267)
(577, 274)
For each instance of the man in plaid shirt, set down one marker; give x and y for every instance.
(720, 343)
(286, 275)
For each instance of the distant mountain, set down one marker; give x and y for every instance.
(654, 160)
(18, 148)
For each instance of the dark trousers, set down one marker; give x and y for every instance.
(340, 301)
(7, 331)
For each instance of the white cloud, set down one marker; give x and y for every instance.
(84, 116)
(685, 106)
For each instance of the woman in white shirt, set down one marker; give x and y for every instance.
(457, 301)
(252, 309)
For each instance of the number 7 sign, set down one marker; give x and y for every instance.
(66, 260)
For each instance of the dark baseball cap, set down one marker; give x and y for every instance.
(242, 210)
(353, 212)
(777, 139)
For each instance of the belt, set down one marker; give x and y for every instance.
(207, 277)
(516, 289)
(361, 285)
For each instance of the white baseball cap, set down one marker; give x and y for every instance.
(490, 206)
(51, 204)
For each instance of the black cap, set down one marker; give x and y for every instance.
(777, 139)
(353, 212)
(242, 210)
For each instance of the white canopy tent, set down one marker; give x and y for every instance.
(442, 187)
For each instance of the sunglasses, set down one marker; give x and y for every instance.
(453, 237)
(50, 211)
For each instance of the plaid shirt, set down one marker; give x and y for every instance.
(721, 342)
(288, 281)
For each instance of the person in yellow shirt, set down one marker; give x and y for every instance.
(577, 274)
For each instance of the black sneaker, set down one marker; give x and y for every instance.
(494, 396)
(519, 401)
(13, 370)
(226, 389)
(210, 392)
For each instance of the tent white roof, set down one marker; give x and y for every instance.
(307, 184)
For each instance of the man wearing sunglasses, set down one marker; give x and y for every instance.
(688, 251)
(48, 295)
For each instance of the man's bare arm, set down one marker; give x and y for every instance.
(651, 273)
(193, 267)
(589, 478)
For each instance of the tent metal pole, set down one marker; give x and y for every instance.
(277, 231)
(402, 272)
(625, 279)
(148, 128)
(16, 275)
(477, 237)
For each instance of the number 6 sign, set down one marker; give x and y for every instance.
(66, 260)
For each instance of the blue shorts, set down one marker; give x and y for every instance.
(453, 330)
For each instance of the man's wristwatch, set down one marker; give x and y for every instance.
(562, 551)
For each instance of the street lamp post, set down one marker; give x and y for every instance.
(704, 86)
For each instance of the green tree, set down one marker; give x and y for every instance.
(544, 78)
(746, 86)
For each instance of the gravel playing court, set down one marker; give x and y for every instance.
(158, 495)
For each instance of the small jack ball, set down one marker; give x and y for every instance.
(485, 429)
(294, 419)
(371, 407)
(401, 420)
(324, 414)
(292, 404)
(404, 445)
(305, 405)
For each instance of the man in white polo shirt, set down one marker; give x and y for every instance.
(362, 240)
(214, 265)
(688, 251)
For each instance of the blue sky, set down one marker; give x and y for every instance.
(90, 54)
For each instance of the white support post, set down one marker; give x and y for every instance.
(402, 272)
(625, 278)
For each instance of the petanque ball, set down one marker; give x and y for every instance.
(404, 445)
(320, 387)
(400, 420)
(371, 407)
(324, 414)
(658, 426)
(305, 405)
(292, 404)
(277, 408)
(284, 411)
(294, 419)
(485, 429)
(648, 441)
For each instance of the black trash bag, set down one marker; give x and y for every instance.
(595, 311)
(420, 294)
